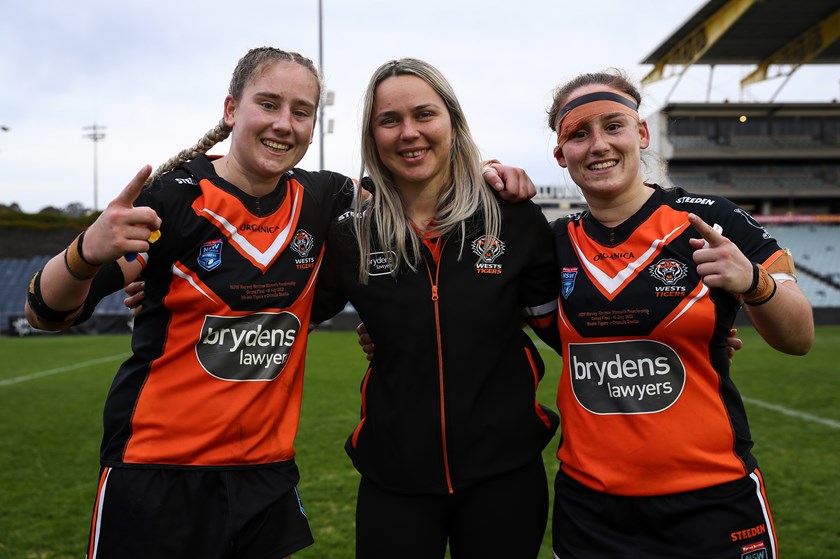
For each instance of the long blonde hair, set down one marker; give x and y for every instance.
(383, 221)
(254, 61)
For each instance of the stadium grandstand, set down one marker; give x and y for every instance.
(23, 252)
(780, 161)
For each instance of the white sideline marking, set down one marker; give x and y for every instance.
(48, 372)
(793, 413)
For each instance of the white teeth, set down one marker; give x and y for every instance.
(604, 165)
(276, 145)
(413, 153)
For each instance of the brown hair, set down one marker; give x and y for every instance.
(612, 78)
(254, 61)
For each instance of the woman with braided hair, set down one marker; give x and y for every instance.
(197, 456)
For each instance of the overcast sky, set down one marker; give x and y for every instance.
(154, 74)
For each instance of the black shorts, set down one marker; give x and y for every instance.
(188, 514)
(727, 521)
(504, 516)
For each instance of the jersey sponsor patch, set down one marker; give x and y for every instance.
(695, 200)
(627, 377)
(210, 254)
(246, 348)
(381, 263)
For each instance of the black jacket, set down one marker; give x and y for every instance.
(449, 399)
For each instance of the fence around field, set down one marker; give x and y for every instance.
(815, 248)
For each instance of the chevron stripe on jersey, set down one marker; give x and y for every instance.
(608, 273)
(260, 246)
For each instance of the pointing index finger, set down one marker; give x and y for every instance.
(132, 190)
(712, 235)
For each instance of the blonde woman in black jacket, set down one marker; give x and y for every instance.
(442, 273)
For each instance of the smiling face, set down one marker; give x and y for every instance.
(603, 155)
(273, 124)
(413, 133)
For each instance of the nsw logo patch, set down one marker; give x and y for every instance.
(567, 278)
(210, 254)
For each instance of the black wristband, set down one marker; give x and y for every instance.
(79, 248)
(753, 285)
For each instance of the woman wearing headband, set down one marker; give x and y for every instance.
(656, 451)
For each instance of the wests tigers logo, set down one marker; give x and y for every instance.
(668, 271)
(302, 242)
(489, 249)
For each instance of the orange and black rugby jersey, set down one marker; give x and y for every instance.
(646, 400)
(450, 396)
(216, 373)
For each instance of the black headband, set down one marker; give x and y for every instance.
(589, 98)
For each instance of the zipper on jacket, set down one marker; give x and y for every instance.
(434, 280)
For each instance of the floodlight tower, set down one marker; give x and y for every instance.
(96, 135)
(329, 97)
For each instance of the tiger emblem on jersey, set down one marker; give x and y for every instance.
(489, 249)
(302, 242)
(668, 271)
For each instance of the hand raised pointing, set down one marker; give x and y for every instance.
(719, 261)
(122, 228)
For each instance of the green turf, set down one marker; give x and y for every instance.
(50, 427)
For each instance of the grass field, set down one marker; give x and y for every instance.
(52, 389)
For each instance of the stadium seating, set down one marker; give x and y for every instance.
(815, 249)
(15, 274)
